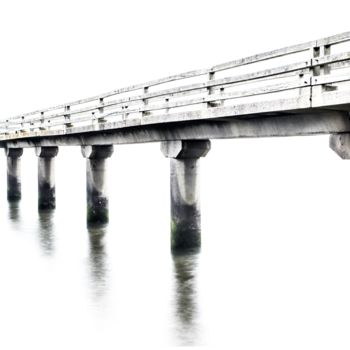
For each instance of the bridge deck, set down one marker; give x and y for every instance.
(298, 90)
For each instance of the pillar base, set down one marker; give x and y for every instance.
(185, 226)
(97, 211)
(47, 197)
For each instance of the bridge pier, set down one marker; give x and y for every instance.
(14, 173)
(96, 189)
(46, 177)
(184, 191)
(340, 144)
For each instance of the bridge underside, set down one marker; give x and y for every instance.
(291, 123)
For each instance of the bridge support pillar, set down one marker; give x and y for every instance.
(184, 191)
(96, 189)
(46, 177)
(340, 144)
(14, 173)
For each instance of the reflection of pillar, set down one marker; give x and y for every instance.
(14, 173)
(46, 231)
(97, 259)
(97, 199)
(46, 177)
(184, 191)
(14, 211)
(186, 312)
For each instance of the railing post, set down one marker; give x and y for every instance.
(320, 51)
(211, 76)
(101, 103)
(145, 102)
(125, 114)
(211, 91)
(184, 191)
(22, 124)
(167, 109)
(7, 129)
(14, 173)
(31, 126)
(42, 121)
(96, 189)
(101, 110)
(222, 91)
(67, 116)
(46, 177)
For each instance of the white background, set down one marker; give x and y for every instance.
(288, 198)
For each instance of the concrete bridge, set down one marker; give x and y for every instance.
(297, 90)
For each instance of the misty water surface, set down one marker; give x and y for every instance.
(273, 269)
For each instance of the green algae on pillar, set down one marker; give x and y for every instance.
(96, 189)
(14, 173)
(184, 191)
(46, 177)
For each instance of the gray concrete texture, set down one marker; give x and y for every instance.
(185, 191)
(96, 187)
(46, 177)
(14, 173)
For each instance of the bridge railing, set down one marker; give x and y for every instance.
(312, 74)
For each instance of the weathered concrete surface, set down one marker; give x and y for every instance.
(184, 191)
(46, 177)
(13, 173)
(96, 189)
(340, 144)
(303, 123)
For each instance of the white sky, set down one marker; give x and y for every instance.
(56, 51)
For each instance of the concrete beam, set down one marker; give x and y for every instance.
(96, 189)
(317, 122)
(46, 177)
(184, 191)
(97, 152)
(185, 149)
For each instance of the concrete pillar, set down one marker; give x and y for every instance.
(13, 173)
(340, 144)
(46, 177)
(96, 189)
(184, 191)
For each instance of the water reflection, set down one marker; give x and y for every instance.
(46, 234)
(97, 259)
(186, 307)
(14, 211)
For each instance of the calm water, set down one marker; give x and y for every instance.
(274, 269)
